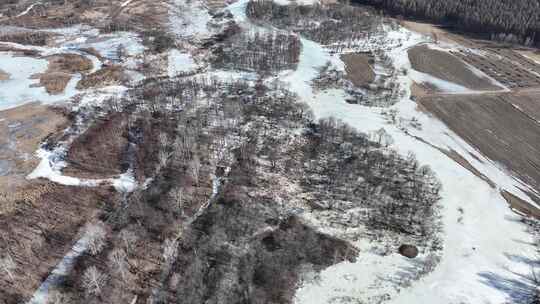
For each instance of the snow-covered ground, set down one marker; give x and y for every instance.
(21, 88)
(180, 62)
(487, 251)
(189, 19)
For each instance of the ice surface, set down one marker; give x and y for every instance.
(180, 62)
(20, 87)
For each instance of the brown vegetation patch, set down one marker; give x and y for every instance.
(358, 68)
(69, 63)
(520, 205)
(60, 69)
(109, 75)
(54, 82)
(4, 75)
(28, 38)
(489, 123)
(98, 152)
(22, 52)
(447, 67)
(42, 228)
(22, 130)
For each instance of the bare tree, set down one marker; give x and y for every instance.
(58, 297)
(170, 250)
(118, 261)
(128, 238)
(97, 235)
(195, 166)
(177, 199)
(8, 265)
(93, 280)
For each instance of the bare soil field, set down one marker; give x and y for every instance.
(496, 128)
(528, 103)
(437, 33)
(531, 54)
(358, 68)
(506, 66)
(447, 67)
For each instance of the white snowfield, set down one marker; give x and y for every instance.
(22, 88)
(487, 252)
(189, 19)
(179, 62)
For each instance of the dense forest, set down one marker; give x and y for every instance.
(516, 21)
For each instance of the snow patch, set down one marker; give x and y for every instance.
(21, 88)
(180, 62)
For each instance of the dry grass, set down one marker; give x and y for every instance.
(60, 70)
(358, 68)
(22, 130)
(54, 82)
(42, 228)
(110, 75)
(69, 63)
(98, 152)
(4, 75)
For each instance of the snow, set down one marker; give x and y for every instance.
(441, 84)
(107, 45)
(62, 269)
(448, 47)
(298, 2)
(28, 9)
(97, 97)
(484, 253)
(51, 165)
(126, 3)
(180, 62)
(125, 183)
(477, 259)
(189, 19)
(475, 256)
(20, 87)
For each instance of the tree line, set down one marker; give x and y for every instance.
(515, 21)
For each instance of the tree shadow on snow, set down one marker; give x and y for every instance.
(518, 287)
